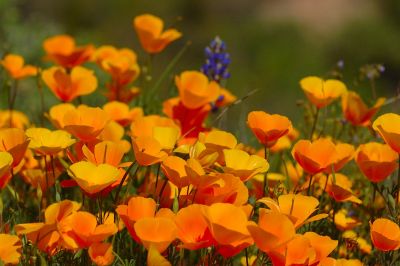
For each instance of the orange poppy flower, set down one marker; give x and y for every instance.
(272, 232)
(5, 168)
(114, 132)
(343, 222)
(297, 207)
(136, 209)
(192, 228)
(121, 64)
(84, 122)
(47, 142)
(309, 249)
(149, 29)
(356, 111)
(14, 65)
(14, 141)
(13, 118)
(195, 90)
(344, 153)
(93, 178)
(10, 247)
(68, 86)
(120, 112)
(57, 112)
(376, 161)
(385, 234)
(228, 226)
(314, 157)
(218, 141)
(101, 254)
(80, 230)
(222, 188)
(243, 165)
(144, 126)
(158, 232)
(148, 151)
(174, 169)
(322, 92)
(104, 152)
(340, 189)
(46, 235)
(268, 128)
(387, 126)
(62, 50)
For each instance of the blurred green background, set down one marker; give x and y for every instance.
(273, 44)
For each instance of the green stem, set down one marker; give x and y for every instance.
(122, 182)
(314, 123)
(265, 185)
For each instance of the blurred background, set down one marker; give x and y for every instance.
(273, 44)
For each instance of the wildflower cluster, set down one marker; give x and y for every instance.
(115, 184)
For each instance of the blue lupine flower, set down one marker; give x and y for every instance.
(217, 61)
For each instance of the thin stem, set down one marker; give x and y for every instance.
(314, 123)
(122, 182)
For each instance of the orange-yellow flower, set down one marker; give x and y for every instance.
(47, 236)
(84, 122)
(13, 119)
(14, 141)
(343, 222)
(192, 228)
(385, 234)
(218, 141)
(316, 156)
(80, 230)
(344, 153)
(158, 232)
(174, 169)
(272, 232)
(228, 226)
(377, 161)
(195, 90)
(47, 142)
(388, 126)
(68, 86)
(297, 207)
(121, 64)
(120, 112)
(148, 151)
(62, 50)
(149, 29)
(268, 128)
(101, 254)
(339, 188)
(307, 249)
(9, 249)
(136, 209)
(14, 65)
(243, 165)
(222, 188)
(356, 111)
(144, 126)
(322, 92)
(57, 112)
(93, 178)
